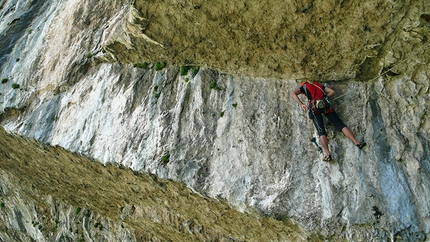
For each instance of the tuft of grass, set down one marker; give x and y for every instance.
(155, 92)
(98, 225)
(29, 30)
(78, 210)
(184, 70)
(195, 71)
(15, 85)
(159, 66)
(89, 55)
(213, 85)
(165, 159)
(143, 65)
(4, 80)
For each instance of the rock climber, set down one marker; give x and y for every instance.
(318, 104)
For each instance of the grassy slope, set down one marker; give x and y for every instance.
(159, 208)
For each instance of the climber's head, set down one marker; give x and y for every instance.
(303, 83)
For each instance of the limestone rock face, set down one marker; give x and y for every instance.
(229, 129)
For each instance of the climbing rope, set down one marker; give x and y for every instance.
(333, 208)
(385, 72)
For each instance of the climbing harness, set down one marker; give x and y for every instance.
(318, 105)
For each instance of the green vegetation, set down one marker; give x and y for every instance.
(99, 225)
(184, 70)
(15, 85)
(29, 30)
(155, 93)
(195, 71)
(78, 210)
(89, 55)
(1, 204)
(165, 159)
(17, 59)
(187, 80)
(234, 105)
(221, 114)
(213, 85)
(143, 65)
(159, 66)
(4, 80)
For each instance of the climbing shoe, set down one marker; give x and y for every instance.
(361, 145)
(327, 158)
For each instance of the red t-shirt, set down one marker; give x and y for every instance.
(314, 90)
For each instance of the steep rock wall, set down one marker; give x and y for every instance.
(245, 141)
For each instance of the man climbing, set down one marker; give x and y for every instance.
(318, 105)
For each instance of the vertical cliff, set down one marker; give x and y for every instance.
(90, 80)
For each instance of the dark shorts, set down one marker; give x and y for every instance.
(332, 117)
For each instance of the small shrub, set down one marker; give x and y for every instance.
(213, 85)
(15, 85)
(159, 66)
(99, 225)
(29, 30)
(221, 114)
(187, 80)
(143, 65)
(156, 94)
(89, 55)
(184, 70)
(17, 59)
(4, 80)
(1, 204)
(78, 210)
(165, 159)
(234, 105)
(195, 71)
